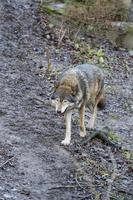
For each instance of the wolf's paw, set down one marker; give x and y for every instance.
(65, 142)
(91, 125)
(82, 134)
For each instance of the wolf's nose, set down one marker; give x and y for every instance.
(59, 111)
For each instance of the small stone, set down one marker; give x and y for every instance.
(7, 196)
(14, 189)
(101, 60)
(48, 37)
(131, 53)
(25, 191)
(51, 25)
(1, 188)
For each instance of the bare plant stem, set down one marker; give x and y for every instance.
(48, 60)
(7, 161)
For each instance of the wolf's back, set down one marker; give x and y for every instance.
(88, 76)
(90, 71)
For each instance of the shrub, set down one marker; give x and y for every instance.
(84, 10)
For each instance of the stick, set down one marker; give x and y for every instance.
(44, 102)
(61, 38)
(81, 197)
(62, 186)
(48, 60)
(75, 36)
(125, 192)
(7, 161)
(61, 34)
(76, 178)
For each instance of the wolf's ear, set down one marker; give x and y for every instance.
(75, 90)
(52, 96)
(56, 84)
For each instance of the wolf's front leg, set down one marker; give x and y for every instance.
(68, 116)
(82, 125)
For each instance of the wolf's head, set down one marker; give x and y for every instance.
(64, 98)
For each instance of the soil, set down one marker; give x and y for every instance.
(33, 163)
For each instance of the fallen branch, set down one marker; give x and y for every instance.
(43, 102)
(7, 161)
(102, 135)
(62, 186)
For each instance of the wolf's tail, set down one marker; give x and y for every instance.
(101, 95)
(102, 102)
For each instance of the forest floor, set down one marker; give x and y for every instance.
(33, 163)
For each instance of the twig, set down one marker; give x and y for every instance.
(61, 34)
(76, 34)
(76, 178)
(89, 187)
(113, 175)
(49, 68)
(7, 161)
(61, 37)
(61, 29)
(85, 197)
(81, 197)
(125, 192)
(44, 102)
(62, 186)
(41, 2)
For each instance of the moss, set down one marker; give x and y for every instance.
(127, 154)
(113, 136)
(113, 116)
(51, 10)
(129, 28)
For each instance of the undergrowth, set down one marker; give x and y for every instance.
(84, 10)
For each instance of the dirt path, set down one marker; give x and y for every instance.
(41, 168)
(38, 165)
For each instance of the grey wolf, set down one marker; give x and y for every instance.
(77, 88)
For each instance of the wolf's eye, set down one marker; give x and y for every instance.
(57, 99)
(73, 95)
(65, 101)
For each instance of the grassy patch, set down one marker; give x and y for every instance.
(113, 116)
(127, 154)
(113, 136)
(50, 10)
(87, 54)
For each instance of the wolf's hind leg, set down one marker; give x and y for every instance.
(93, 117)
(67, 139)
(82, 125)
(94, 112)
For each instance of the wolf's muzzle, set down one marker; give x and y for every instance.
(59, 111)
